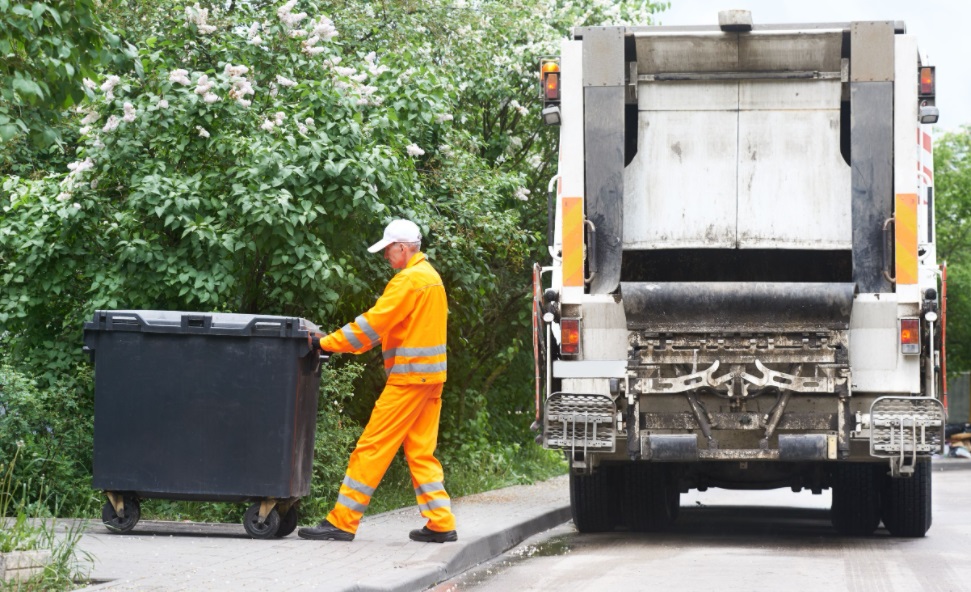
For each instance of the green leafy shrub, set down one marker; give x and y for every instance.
(51, 429)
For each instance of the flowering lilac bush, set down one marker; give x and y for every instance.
(250, 156)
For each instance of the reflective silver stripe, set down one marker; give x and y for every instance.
(435, 350)
(429, 487)
(434, 504)
(366, 327)
(419, 368)
(353, 505)
(358, 486)
(412, 352)
(351, 337)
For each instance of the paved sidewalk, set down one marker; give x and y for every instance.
(169, 556)
(166, 556)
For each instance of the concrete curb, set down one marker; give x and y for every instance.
(950, 464)
(471, 554)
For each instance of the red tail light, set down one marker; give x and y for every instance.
(570, 337)
(910, 336)
(927, 82)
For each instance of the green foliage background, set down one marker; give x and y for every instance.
(952, 192)
(211, 157)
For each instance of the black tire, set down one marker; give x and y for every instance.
(674, 494)
(856, 498)
(907, 503)
(593, 500)
(288, 523)
(649, 497)
(266, 530)
(117, 525)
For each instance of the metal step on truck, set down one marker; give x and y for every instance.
(743, 289)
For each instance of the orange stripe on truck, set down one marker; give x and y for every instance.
(905, 227)
(573, 241)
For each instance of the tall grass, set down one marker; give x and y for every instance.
(27, 526)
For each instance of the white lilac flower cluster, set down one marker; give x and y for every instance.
(277, 121)
(199, 16)
(241, 86)
(204, 88)
(108, 87)
(71, 180)
(372, 65)
(288, 17)
(515, 105)
(305, 125)
(112, 124)
(89, 118)
(202, 131)
(321, 29)
(414, 150)
(253, 35)
(355, 80)
(181, 76)
(522, 194)
(129, 113)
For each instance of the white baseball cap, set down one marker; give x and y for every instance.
(398, 231)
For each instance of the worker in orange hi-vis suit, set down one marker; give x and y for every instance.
(409, 321)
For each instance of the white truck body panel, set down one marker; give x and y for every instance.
(680, 188)
(875, 358)
(571, 181)
(714, 171)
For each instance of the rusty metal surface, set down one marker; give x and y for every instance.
(741, 421)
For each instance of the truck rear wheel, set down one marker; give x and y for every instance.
(593, 500)
(856, 498)
(649, 497)
(907, 503)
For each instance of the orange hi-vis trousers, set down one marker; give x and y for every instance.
(405, 414)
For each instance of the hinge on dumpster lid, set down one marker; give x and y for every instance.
(580, 422)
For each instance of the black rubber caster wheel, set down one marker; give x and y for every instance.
(265, 530)
(117, 524)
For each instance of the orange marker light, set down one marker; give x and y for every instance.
(910, 336)
(927, 81)
(550, 75)
(570, 337)
(551, 86)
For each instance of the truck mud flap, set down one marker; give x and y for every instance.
(580, 422)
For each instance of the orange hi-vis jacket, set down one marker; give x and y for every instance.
(409, 320)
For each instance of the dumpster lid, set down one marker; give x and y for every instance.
(209, 323)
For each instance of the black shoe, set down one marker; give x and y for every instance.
(325, 531)
(424, 535)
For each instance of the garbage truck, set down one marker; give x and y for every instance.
(742, 289)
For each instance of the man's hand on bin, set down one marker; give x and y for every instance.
(313, 340)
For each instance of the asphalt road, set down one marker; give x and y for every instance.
(745, 541)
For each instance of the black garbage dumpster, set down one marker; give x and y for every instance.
(203, 407)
